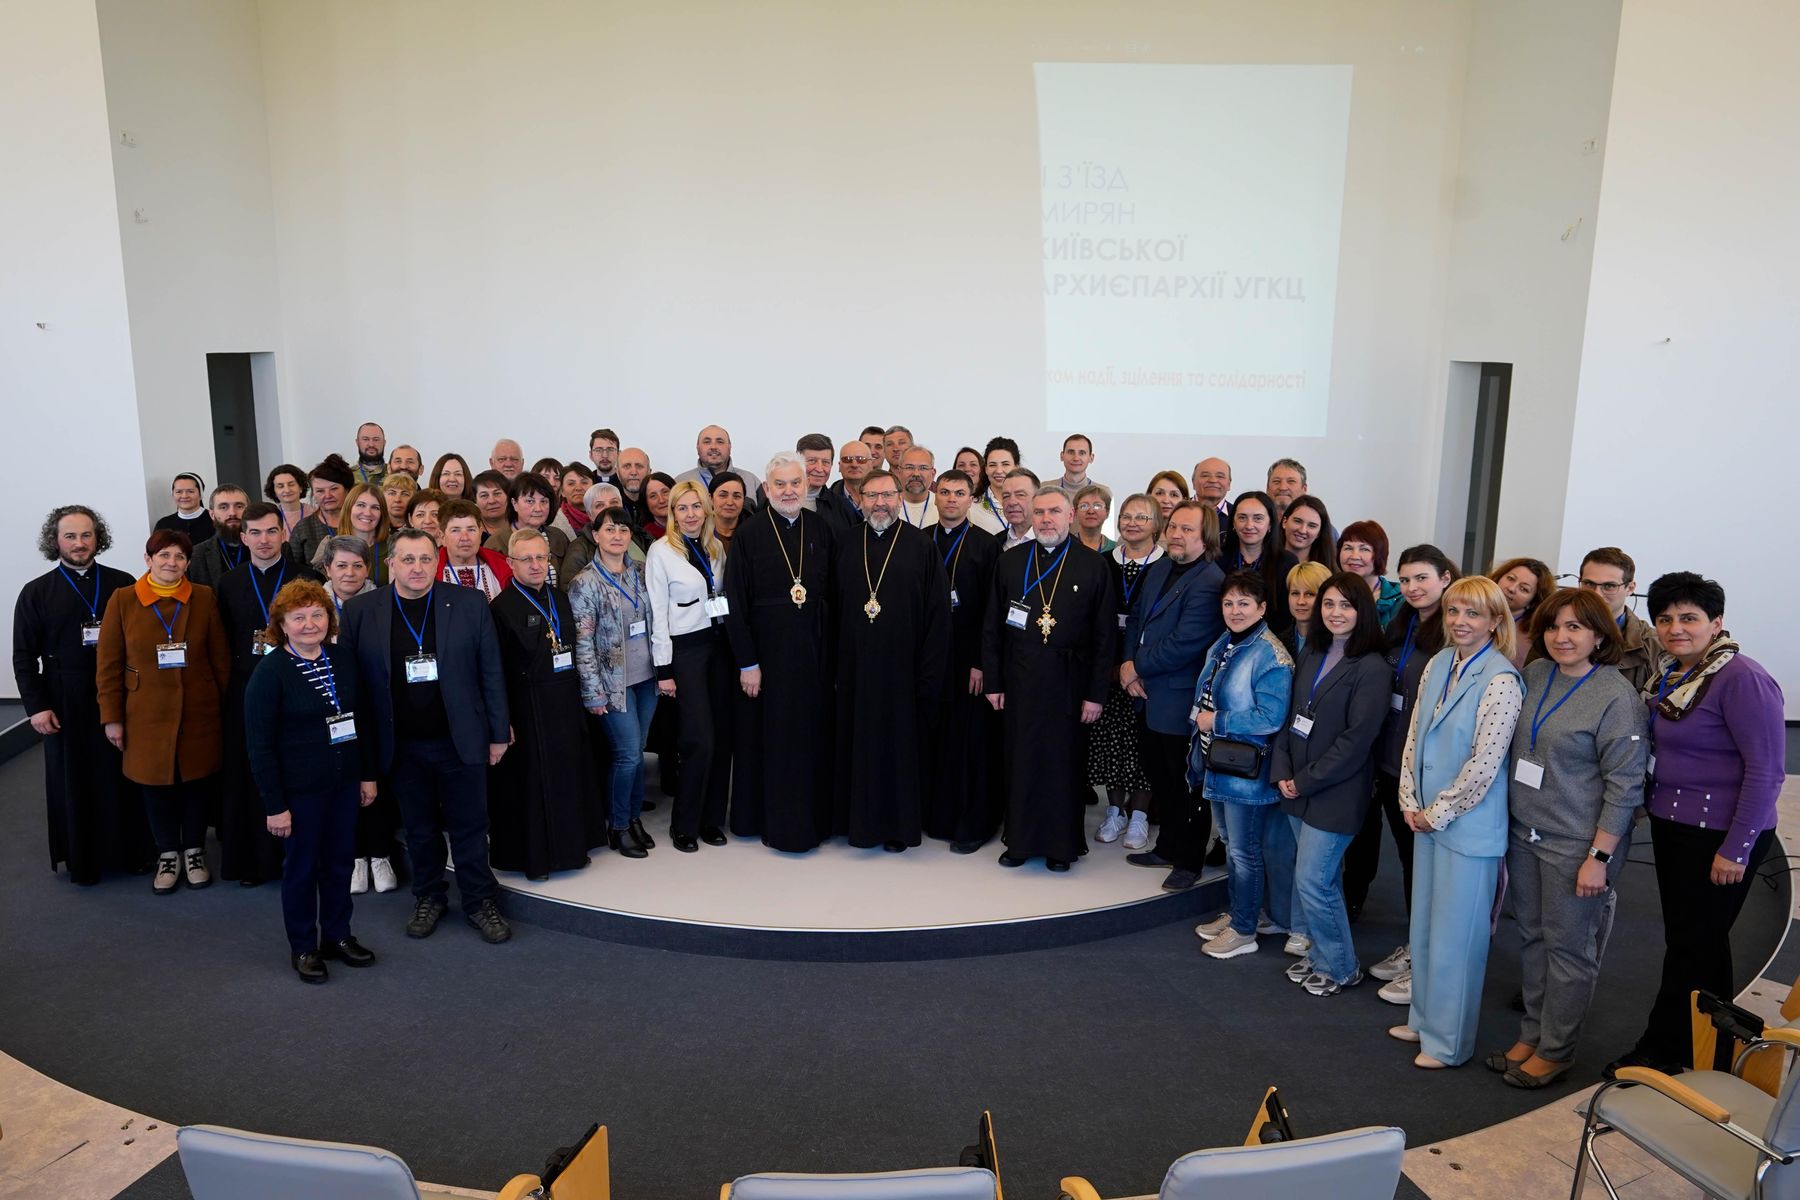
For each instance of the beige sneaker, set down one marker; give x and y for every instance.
(1399, 991)
(193, 868)
(1231, 944)
(1206, 931)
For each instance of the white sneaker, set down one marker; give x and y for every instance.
(1231, 944)
(1266, 926)
(1137, 833)
(359, 877)
(1394, 965)
(1299, 972)
(1399, 991)
(1112, 827)
(1298, 945)
(382, 871)
(1206, 931)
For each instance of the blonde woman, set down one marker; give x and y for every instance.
(364, 515)
(1303, 583)
(684, 574)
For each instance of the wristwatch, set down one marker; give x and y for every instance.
(1599, 855)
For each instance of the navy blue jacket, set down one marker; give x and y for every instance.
(287, 742)
(468, 660)
(1166, 639)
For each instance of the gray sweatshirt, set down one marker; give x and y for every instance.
(1593, 750)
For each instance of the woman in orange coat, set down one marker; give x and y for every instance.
(162, 665)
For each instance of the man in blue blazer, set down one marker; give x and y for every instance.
(1174, 621)
(435, 706)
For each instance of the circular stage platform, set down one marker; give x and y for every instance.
(837, 903)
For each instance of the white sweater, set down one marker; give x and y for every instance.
(677, 598)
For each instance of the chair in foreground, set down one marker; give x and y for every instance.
(977, 1178)
(233, 1164)
(1358, 1164)
(1723, 1134)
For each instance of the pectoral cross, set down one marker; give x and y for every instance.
(1046, 623)
(797, 593)
(873, 608)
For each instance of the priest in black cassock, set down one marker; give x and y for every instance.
(96, 816)
(248, 852)
(1046, 655)
(540, 793)
(777, 577)
(963, 806)
(893, 647)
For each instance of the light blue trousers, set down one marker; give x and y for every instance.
(1452, 915)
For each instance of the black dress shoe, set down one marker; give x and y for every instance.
(712, 835)
(684, 843)
(1056, 864)
(641, 834)
(310, 967)
(1180, 880)
(894, 847)
(623, 841)
(1007, 860)
(350, 952)
(1642, 1058)
(966, 847)
(1148, 858)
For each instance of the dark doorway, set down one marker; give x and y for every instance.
(234, 421)
(1486, 459)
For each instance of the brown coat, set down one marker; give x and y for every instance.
(171, 717)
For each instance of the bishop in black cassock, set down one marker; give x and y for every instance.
(893, 646)
(1046, 655)
(96, 816)
(777, 577)
(963, 807)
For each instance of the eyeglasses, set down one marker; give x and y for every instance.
(881, 495)
(1611, 589)
(858, 458)
(1091, 506)
(533, 559)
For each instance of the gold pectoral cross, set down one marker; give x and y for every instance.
(1046, 622)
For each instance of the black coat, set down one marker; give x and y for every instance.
(1334, 764)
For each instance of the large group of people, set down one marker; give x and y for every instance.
(371, 663)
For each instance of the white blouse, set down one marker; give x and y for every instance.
(677, 597)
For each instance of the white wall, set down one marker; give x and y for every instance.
(66, 389)
(539, 217)
(1685, 424)
(184, 79)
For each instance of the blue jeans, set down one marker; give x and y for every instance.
(627, 732)
(1319, 897)
(1259, 848)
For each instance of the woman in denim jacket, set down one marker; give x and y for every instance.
(1242, 694)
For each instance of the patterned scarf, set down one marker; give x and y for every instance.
(1685, 696)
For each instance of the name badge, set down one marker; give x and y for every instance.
(1529, 773)
(171, 654)
(561, 659)
(953, 600)
(717, 606)
(1124, 620)
(1303, 724)
(1650, 768)
(638, 628)
(1016, 615)
(341, 727)
(259, 644)
(1194, 715)
(90, 633)
(421, 668)
(1397, 701)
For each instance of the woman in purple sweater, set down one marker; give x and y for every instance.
(1716, 763)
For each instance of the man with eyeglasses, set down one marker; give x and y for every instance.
(1611, 573)
(918, 471)
(856, 458)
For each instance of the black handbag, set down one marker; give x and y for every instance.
(1228, 756)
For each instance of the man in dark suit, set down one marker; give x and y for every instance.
(1174, 620)
(418, 643)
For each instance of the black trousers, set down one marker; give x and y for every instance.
(315, 875)
(1697, 919)
(439, 794)
(177, 814)
(1363, 859)
(375, 826)
(703, 689)
(1186, 815)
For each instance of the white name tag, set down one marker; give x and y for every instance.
(171, 654)
(341, 727)
(1016, 615)
(562, 660)
(1124, 620)
(1194, 715)
(1303, 724)
(638, 628)
(1650, 767)
(421, 668)
(259, 646)
(717, 606)
(1529, 773)
(90, 634)
(953, 600)
(1397, 702)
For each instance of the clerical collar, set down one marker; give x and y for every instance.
(273, 564)
(881, 531)
(949, 529)
(193, 516)
(1053, 546)
(81, 571)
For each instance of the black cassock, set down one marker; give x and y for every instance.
(1045, 682)
(95, 815)
(963, 804)
(542, 798)
(890, 675)
(781, 771)
(248, 851)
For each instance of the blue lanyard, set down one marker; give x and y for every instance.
(555, 621)
(257, 587)
(1663, 689)
(93, 606)
(231, 564)
(918, 524)
(1031, 565)
(951, 552)
(419, 633)
(1412, 627)
(1136, 581)
(319, 674)
(1450, 675)
(1317, 675)
(1537, 721)
(631, 596)
(712, 588)
(168, 626)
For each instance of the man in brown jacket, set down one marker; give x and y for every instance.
(1611, 572)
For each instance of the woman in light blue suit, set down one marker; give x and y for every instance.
(1242, 694)
(1453, 785)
